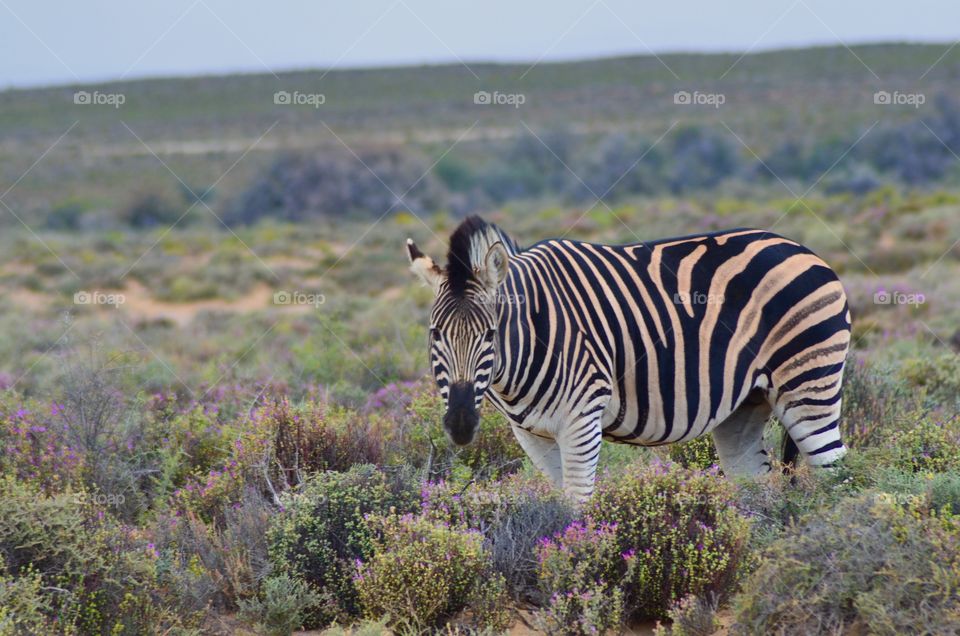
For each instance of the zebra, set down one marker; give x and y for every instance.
(648, 343)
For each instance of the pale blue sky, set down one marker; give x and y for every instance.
(60, 41)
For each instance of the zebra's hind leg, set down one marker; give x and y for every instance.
(739, 439)
(544, 452)
(810, 414)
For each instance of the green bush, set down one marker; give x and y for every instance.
(150, 209)
(927, 445)
(691, 617)
(23, 608)
(868, 565)
(578, 574)
(677, 530)
(698, 453)
(362, 628)
(588, 611)
(938, 375)
(283, 605)
(873, 399)
(321, 532)
(424, 572)
(423, 443)
(96, 576)
(318, 436)
(777, 501)
(513, 515)
(943, 493)
(215, 565)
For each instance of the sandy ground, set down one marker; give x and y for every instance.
(140, 305)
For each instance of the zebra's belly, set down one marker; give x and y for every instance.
(646, 425)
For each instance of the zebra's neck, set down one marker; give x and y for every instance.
(518, 303)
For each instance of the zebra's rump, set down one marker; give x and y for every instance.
(682, 330)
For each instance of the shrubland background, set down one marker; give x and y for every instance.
(213, 409)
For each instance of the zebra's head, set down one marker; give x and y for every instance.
(464, 319)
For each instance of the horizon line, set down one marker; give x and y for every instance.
(453, 62)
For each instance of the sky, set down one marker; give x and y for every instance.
(45, 42)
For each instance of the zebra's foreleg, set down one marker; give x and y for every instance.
(579, 453)
(544, 452)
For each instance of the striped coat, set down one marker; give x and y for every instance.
(651, 343)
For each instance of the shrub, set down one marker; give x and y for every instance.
(868, 565)
(95, 416)
(150, 209)
(579, 570)
(319, 437)
(928, 445)
(780, 499)
(691, 617)
(858, 178)
(943, 493)
(181, 545)
(513, 515)
(321, 532)
(908, 151)
(938, 375)
(206, 495)
(699, 453)
(615, 169)
(422, 442)
(679, 531)
(23, 608)
(65, 216)
(534, 164)
(274, 450)
(699, 158)
(215, 564)
(300, 187)
(283, 605)
(36, 450)
(361, 628)
(423, 572)
(97, 576)
(588, 611)
(872, 400)
(200, 435)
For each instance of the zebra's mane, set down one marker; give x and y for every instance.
(469, 244)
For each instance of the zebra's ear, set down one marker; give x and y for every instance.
(495, 265)
(423, 266)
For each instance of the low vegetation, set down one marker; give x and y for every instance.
(249, 515)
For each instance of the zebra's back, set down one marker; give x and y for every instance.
(683, 329)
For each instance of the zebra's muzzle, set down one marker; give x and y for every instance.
(461, 420)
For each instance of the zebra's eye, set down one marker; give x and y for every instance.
(490, 335)
(435, 334)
